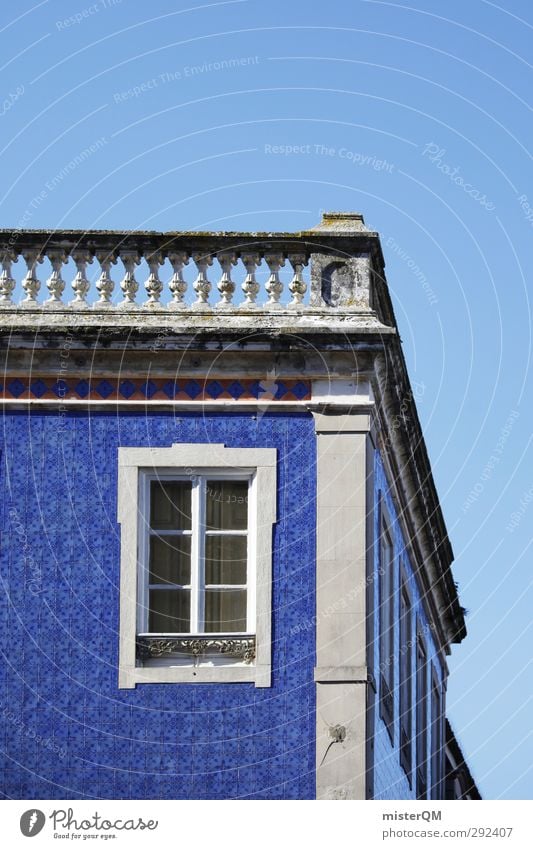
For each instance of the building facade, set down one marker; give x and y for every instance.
(225, 571)
(458, 780)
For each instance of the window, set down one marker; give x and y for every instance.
(386, 623)
(406, 680)
(421, 719)
(436, 737)
(196, 563)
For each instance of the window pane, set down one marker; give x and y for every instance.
(170, 505)
(170, 560)
(170, 611)
(225, 610)
(225, 560)
(227, 505)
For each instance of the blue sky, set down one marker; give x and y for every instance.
(417, 119)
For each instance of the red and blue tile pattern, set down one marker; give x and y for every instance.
(99, 388)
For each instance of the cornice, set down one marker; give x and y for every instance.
(402, 444)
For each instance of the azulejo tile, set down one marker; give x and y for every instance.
(38, 388)
(126, 389)
(14, 387)
(104, 389)
(230, 720)
(109, 388)
(235, 389)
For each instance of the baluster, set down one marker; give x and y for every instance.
(177, 285)
(225, 285)
(7, 282)
(55, 283)
(31, 284)
(297, 286)
(250, 287)
(201, 285)
(81, 285)
(153, 285)
(105, 284)
(274, 286)
(128, 284)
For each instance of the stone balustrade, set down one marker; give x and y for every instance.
(139, 283)
(328, 268)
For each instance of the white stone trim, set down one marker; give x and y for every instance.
(339, 423)
(196, 459)
(147, 402)
(338, 391)
(341, 567)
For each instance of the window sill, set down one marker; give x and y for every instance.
(235, 674)
(171, 659)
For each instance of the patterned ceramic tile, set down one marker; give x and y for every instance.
(63, 642)
(50, 388)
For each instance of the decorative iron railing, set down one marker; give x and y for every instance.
(197, 647)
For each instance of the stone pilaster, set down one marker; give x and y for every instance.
(341, 671)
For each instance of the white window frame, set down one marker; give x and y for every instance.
(137, 467)
(198, 495)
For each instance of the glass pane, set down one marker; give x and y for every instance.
(225, 610)
(227, 505)
(170, 611)
(170, 505)
(170, 560)
(225, 560)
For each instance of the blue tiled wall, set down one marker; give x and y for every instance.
(67, 731)
(390, 779)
